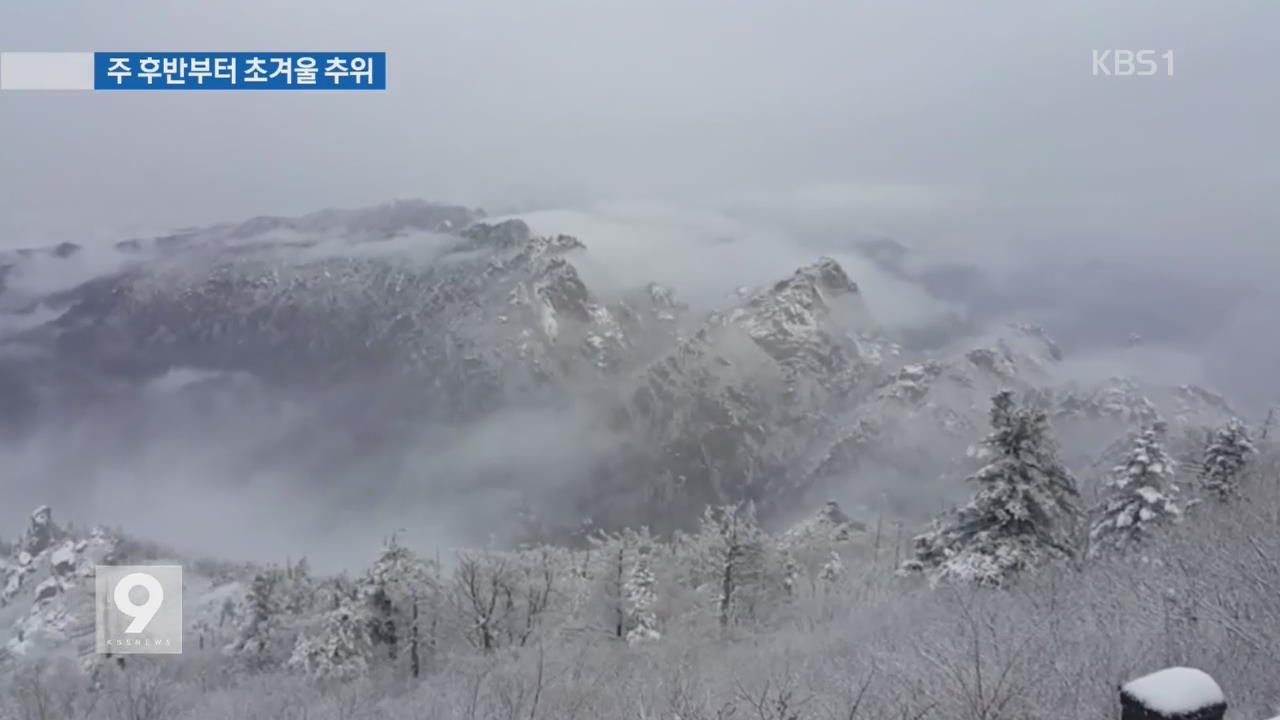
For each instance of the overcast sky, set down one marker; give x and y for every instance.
(975, 130)
(511, 103)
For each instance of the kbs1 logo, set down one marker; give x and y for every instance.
(138, 609)
(1132, 63)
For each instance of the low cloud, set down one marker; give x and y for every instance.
(706, 255)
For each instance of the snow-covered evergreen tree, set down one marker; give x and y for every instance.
(396, 585)
(1139, 494)
(1024, 511)
(1229, 450)
(276, 603)
(263, 622)
(640, 599)
(340, 648)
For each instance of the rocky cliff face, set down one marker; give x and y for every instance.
(732, 410)
(46, 589)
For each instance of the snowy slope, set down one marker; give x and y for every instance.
(47, 589)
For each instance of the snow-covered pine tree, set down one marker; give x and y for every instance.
(640, 598)
(278, 599)
(1139, 494)
(262, 625)
(341, 647)
(396, 585)
(1228, 451)
(1024, 511)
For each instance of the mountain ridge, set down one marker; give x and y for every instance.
(412, 314)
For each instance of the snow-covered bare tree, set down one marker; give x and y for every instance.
(1228, 451)
(537, 579)
(729, 556)
(579, 581)
(615, 556)
(1025, 509)
(790, 572)
(1140, 494)
(832, 569)
(812, 548)
(479, 582)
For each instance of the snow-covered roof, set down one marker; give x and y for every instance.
(1176, 691)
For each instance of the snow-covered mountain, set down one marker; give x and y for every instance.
(392, 321)
(730, 410)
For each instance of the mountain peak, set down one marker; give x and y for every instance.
(825, 275)
(506, 234)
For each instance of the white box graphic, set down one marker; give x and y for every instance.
(46, 71)
(138, 609)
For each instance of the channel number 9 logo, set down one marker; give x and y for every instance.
(146, 612)
(139, 608)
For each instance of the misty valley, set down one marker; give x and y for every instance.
(416, 461)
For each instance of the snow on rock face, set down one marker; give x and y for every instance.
(1119, 398)
(731, 411)
(1176, 691)
(63, 560)
(791, 320)
(47, 589)
(941, 399)
(41, 531)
